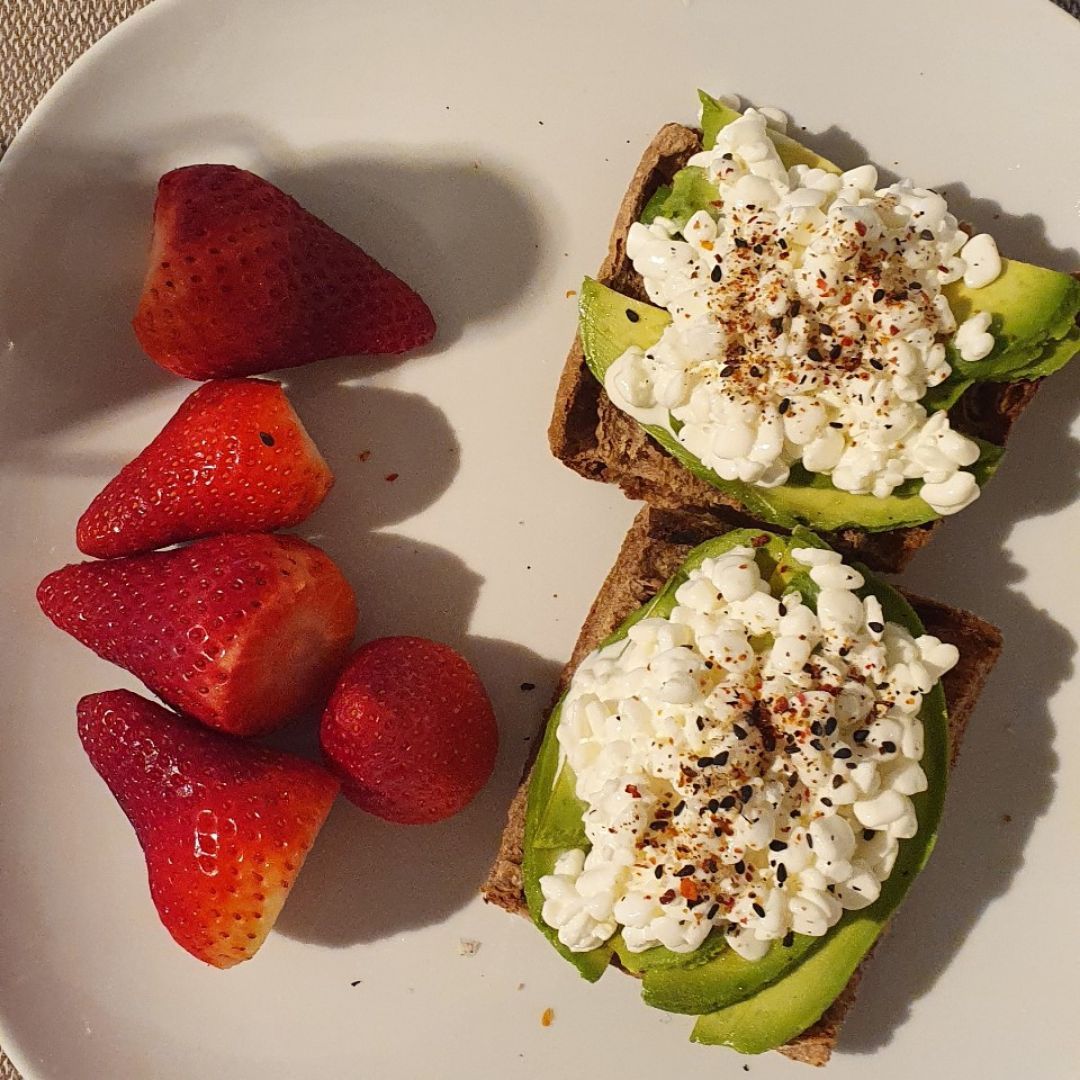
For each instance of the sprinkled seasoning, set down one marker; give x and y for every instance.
(632, 315)
(716, 809)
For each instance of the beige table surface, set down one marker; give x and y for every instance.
(39, 40)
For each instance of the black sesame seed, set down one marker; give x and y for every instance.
(781, 874)
(915, 286)
(685, 871)
(789, 939)
(834, 352)
(879, 295)
(711, 913)
(740, 867)
(727, 370)
(704, 762)
(861, 735)
(782, 244)
(825, 329)
(888, 747)
(657, 824)
(717, 272)
(680, 808)
(784, 406)
(745, 792)
(755, 371)
(816, 727)
(843, 752)
(721, 758)
(777, 845)
(740, 732)
(868, 834)
(782, 609)
(759, 911)
(878, 628)
(714, 805)
(632, 315)
(740, 242)
(826, 802)
(835, 424)
(876, 364)
(830, 725)
(809, 841)
(658, 872)
(814, 354)
(266, 438)
(817, 744)
(758, 249)
(837, 781)
(926, 234)
(727, 802)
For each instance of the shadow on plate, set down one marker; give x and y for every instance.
(466, 237)
(992, 806)
(1019, 236)
(366, 879)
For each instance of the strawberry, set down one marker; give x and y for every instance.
(224, 825)
(242, 632)
(234, 458)
(243, 279)
(410, 730)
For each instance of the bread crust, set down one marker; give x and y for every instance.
(596, 439)
(656, 545)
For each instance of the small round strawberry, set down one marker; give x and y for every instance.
(410, 731)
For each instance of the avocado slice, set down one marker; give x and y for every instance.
(758, 1005)
(610, 323)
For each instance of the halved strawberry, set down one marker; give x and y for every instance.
(234, 458)
(410, 730)
(242, 632)
(243, 280)
(224, 825)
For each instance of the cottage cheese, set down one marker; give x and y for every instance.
(808, 323)
(746, 764)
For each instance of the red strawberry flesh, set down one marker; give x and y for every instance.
(242, 632)
(234, 458)
(224, 825)
(244, 280)
(410, 730)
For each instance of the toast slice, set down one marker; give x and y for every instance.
(655, 546)
(599, 441)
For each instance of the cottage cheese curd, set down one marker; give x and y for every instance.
(746, 764)
(808, 322)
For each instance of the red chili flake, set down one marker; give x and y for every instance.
(391, 477)
(860, 228)
(546, 1017)
(759, 541)
(688, 889)
(669, 896)
(363, 455)
(632, 791)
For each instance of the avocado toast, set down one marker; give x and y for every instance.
(794, 995)
(1032, 316)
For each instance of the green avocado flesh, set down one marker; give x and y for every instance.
(607, 331)
(1034, 322)
(749, 1006)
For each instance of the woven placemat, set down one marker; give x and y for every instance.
(39, 40)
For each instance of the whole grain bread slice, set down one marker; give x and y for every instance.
(657, 543)
(599, 441)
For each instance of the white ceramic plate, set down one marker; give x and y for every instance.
(480, 149)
